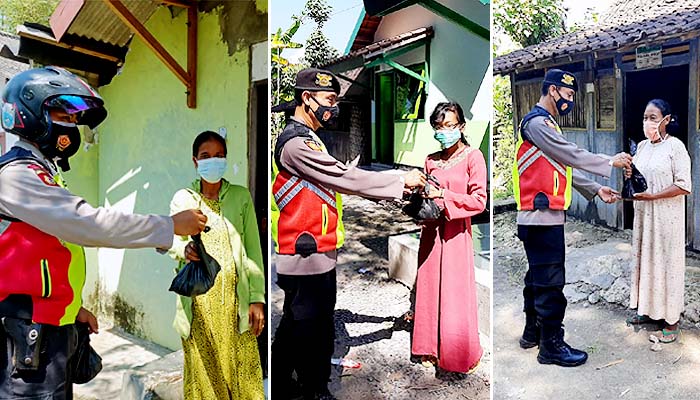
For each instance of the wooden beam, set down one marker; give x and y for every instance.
(151, 42)
(63, 16)
(177, 3)
(192, 57)
(70, 47)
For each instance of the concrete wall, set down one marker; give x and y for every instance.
(460, 71)
(144, 156)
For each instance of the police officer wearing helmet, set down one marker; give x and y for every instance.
(545, 170)
(307, 228)
(42, 229)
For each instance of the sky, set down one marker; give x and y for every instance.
(338, 29)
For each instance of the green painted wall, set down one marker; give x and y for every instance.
(145, 156)
(413, 141)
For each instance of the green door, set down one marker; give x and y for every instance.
(385, 119)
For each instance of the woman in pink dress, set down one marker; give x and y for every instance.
(445, 330)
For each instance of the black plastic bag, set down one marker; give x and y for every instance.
(636, 183)
(197, 277)
(85, 363)
(420, 208)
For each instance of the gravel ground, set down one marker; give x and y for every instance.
(621, 362)
(369, 327)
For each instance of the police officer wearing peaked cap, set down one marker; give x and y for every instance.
(307, 228)
(544, 172)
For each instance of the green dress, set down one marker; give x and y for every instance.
(220, 362)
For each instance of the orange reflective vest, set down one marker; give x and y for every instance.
(539, 182)
(306, 217)
(42, 276)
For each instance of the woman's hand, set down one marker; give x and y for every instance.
(256, 318)
(89, 318)
(191, 252)
(434, 193)
(644, 196)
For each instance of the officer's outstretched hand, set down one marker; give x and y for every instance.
(622, 160)
(89, 318)
(608, 194)
(189, 222)
(414, 178)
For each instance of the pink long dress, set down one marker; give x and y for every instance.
(445, 324)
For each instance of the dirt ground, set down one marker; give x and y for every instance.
(621, 363)
(368, 324)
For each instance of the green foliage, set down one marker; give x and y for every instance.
(530, 22)
(17, 12)
(318, 49)
(503, 138)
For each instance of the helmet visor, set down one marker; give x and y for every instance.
(73, 104)
(90, 110)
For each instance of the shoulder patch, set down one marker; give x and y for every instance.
(550, 124)
(313, 145)
(43, 175)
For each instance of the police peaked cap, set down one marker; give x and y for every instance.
(561, 78)
(317, 80)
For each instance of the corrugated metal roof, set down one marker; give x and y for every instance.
(96, 21)
(625, 23)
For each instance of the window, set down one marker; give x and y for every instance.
(605, 102)
(527, 95)
(409, 95)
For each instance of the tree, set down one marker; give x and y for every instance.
(318, 50)
(530, 22)
(17, 12)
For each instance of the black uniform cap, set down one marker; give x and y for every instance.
(317, 80)
(561, 78)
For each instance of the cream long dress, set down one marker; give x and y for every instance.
(658, 240)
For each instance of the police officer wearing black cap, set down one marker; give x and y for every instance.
(545, 170)
(308, 230)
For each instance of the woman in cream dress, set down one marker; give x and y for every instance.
(658, 241)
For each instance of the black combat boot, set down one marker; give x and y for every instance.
(554, 350)
(531, 333)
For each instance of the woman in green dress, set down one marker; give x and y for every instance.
(219, 328)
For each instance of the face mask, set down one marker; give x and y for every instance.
(326, 115)
(564, 106)
(651, 130)
(211, 169)
(61, 142)
(448, 138)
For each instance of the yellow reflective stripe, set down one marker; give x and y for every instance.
(340, 230)
(324, 219)
(516, 175)
(76, 279)
(567, 189)
(45, 279)
(274, 210)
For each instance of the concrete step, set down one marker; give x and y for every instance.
(403, 266)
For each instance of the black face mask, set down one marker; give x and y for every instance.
(563, 106)
(326, 115)
(61, 141)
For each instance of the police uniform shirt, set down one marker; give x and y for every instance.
(30, 195)
(307, 159)
(542, 133)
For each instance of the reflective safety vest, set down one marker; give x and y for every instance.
(539, 182)
(42, 276)
(306, 217)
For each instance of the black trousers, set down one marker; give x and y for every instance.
(545, 277)
(305, 338)
(52, 380)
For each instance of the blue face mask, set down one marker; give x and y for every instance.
(211, 169)
(448, 138)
